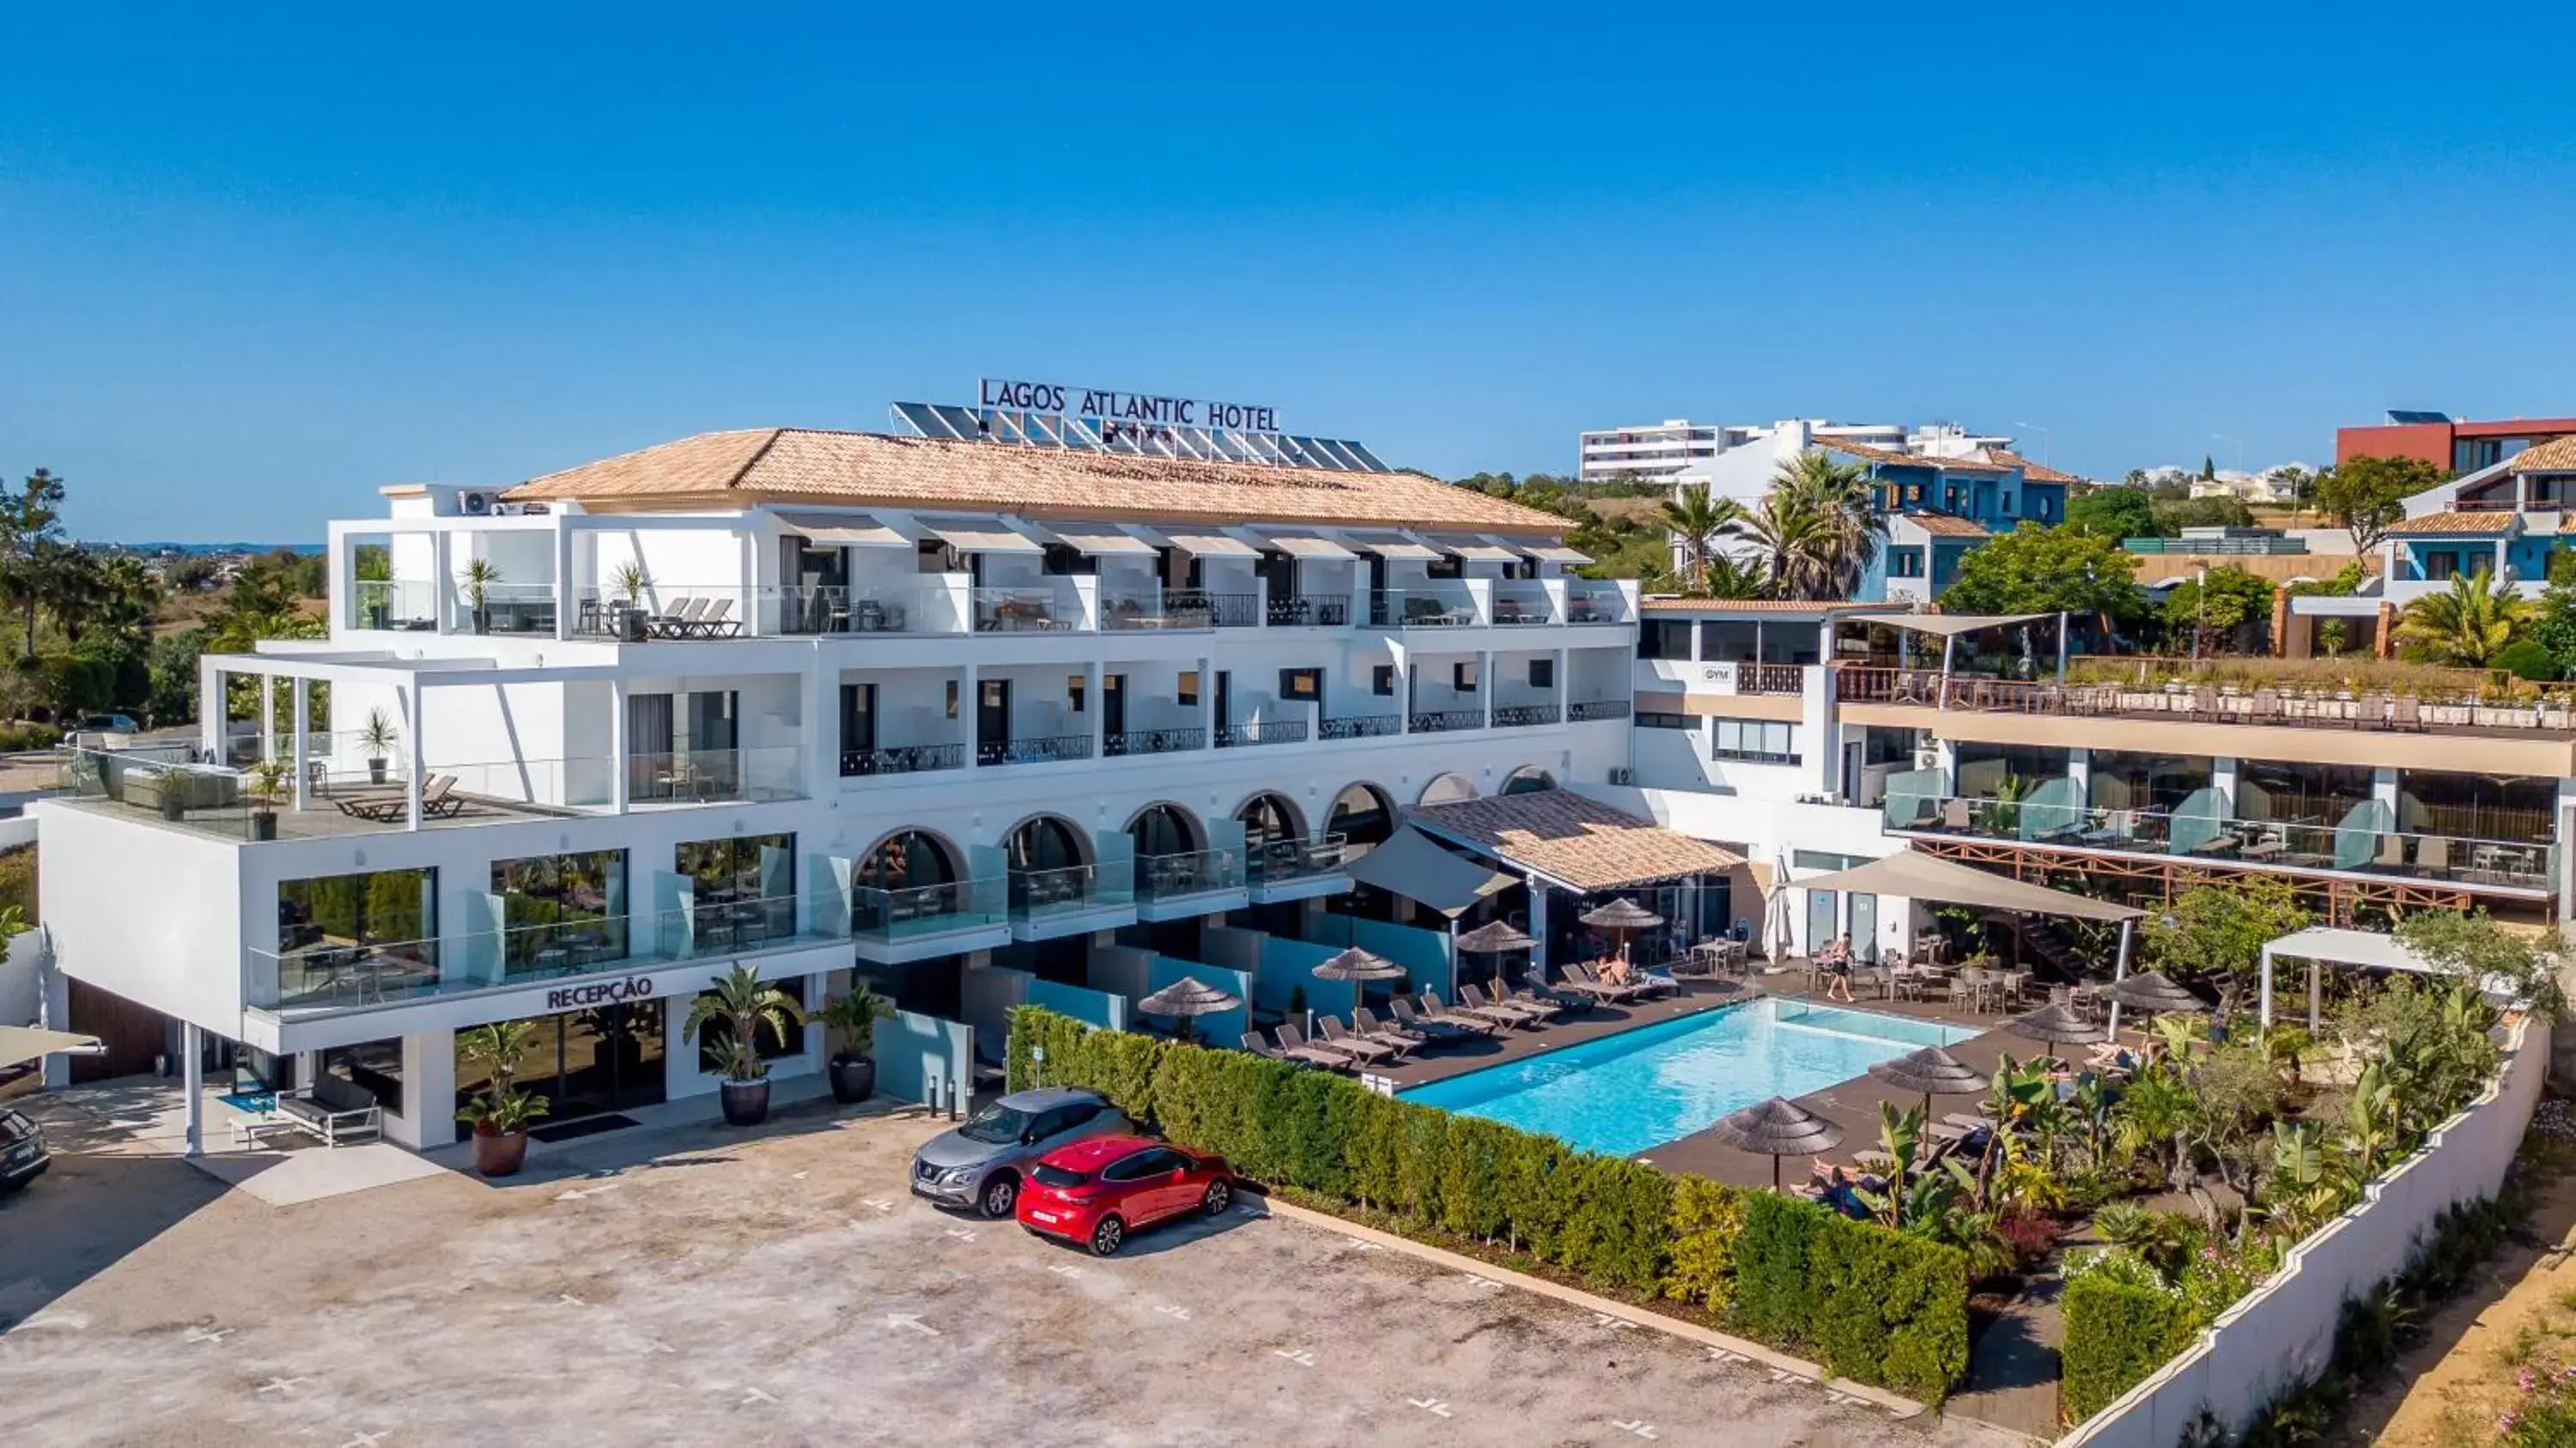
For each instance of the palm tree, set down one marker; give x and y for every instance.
(740, 1005)
(1783, 530)
(1839, 494)
(2469, 623)
(1733, 578)
(1695, 516)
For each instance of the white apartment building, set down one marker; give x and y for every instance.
(1650, 452)
(1746, 458)
(820, 702)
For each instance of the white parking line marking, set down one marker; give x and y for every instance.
(1434, 1406)
(1783, 1375)
(961, 1234)
(366, 1440)
(1838, 1397)
(911, 1320)
(799, 1176)
(1177, 1313)
(1484, 1284)
(215, 1335)
(566, 1299)
(1640, 1427)
(583, 1193)
(1065, 1269)
(1613, 1324)
(755, 1395)
(283, 1385)
(1360, 1246)
(1302, 1357)
(1721, 1355)
(1247, 1209)
(877, 1204)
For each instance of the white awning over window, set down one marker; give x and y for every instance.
(1474, 550)
(1544, 552)
(980, 537)
(1402, 550)
(1301, 545)
(844, 530)
(1210, 544)
(1100, 540)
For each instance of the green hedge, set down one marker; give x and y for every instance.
(2116, 1335)
(1874, 1305)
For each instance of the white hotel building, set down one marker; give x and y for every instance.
(815, 701)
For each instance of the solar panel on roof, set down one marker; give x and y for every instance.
(2406, 418)
(1128, 439)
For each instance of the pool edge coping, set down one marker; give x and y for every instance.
(1896, 1405)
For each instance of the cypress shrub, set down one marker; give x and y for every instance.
(1421, 1161)
(1471, 1178)
(1771, 1296)
(2117, 1333)
(1708, 1227)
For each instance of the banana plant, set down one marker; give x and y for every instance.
(1899, 1133)
(2306, 1184)
(2179, 1033)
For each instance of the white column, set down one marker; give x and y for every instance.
(429, 1092)
(53, 1009)
(192, 1081)
(1207, 700)
(2263, 993)
(410, 694)
(210, 708)
(1538, 929)
(819, 770)
(2222, 776)
(1484, 687)
(303, 739)
(966, 715)
(1092, 706)
(2120, 968)
(617, 750)
(2079, 773)
(267, 717)
(567, 597)
(442, 600)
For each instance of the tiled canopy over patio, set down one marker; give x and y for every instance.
(1574, 840)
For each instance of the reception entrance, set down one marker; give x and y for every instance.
(607, 1058)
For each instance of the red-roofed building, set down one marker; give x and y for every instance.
(2446, 442)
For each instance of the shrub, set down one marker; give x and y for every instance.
(2118, 1330)
(1708, 1225)
(1889, 1309)
(1771, 1298)
(15, 737)
(2526, 659)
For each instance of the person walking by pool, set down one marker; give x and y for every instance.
(1837, 961)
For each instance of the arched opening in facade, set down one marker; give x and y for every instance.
(1044, 842)
(1362, 815)
(1164, 829)
(1270, 818)
(1528, 779)
(1448, 789)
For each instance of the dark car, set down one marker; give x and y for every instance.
(980, 1164)
(23, 1157)
(1095, 1193)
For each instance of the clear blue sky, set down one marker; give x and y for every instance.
(253, 265)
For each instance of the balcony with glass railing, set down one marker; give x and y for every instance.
(1049, 606)
(1424, 606)
(1523, 603)
(1596, 603)
(891, 918)
(926, 608)
(715, 776)
(1308, 610)
(2360, 844)
(1201, 878)
(1587, 711)
(666, 611)
(1294, 869)
(394, 605)
(1071, 899)
(504, 608)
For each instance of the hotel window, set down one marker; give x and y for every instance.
(1188, 690)
(1950, 498)
(2476, 806)
(1663, 639)
(1073, 691)
(742, 890)
(1447, 565)
(1305, 684)
(1542, 673)
(1755, 741)
(375, 1067)
(1905, 563)
(359, 935)
(2007, 511)
(561, 912)
(2040, 507)
(2440, 564)
(1382, 680)
(1649, 720)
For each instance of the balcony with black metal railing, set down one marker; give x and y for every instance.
(1442, 721)
(1246, 732)
(1523, 716)
(1586, 711)
(1053, 749)
(1361, 726)
(1175, 740)
(902, 759)
(1310, 610)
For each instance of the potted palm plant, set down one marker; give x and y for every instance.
(854, 1017)
(740, 1005)
(267, 782)
(479, 576)
(500, 1115)
(377, 739)
(629, 581)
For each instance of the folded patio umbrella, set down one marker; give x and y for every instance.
(1186, 998)
(2051, 1024)
(2156, 995)
(1932, 1071)
(1776, 1128)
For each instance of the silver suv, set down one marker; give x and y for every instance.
(979, 1164)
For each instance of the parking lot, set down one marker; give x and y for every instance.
(693, 1285)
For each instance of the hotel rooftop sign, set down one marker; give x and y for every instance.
(1135, 424)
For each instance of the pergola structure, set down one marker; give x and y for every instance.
(1950, 627)
(1914, 875)
(2337, 899)
(2321, 946)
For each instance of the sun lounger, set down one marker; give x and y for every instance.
(716, 622)
(1445, 1022)
(1365, 1025)
(1522, 1012)
(681, 619)
(1293, 1046)
(1536, 1000)
(1499, 1020)
(1608, 989)
(1583, 983)
(1338, 1039)
(1253, 1042)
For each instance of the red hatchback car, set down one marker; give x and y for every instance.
(1096, 1192)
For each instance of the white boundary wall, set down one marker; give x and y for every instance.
(2284, 1330)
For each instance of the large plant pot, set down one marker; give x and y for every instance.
(854, 1079)
(263, 825)
(376, 771)
(500, 1153)
(746, 1103)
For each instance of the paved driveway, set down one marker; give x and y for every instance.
(699, 1287)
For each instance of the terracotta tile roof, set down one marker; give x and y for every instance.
(2556, 455)
(2030, 471)
(804, 465)
(1943, 525)
(2489, 522)
(1893, 458)
(1574, 838)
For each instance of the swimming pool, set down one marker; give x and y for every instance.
(1622, 1094)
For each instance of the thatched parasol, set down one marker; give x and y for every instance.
(1776, 1128)
(1359, 966)
(1621, 914)
(1932, 1071)
(1186, 998)
(2156, 995)
(2054, 1023)
(1493, 938)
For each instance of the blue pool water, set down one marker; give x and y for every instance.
(1622, 1094)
